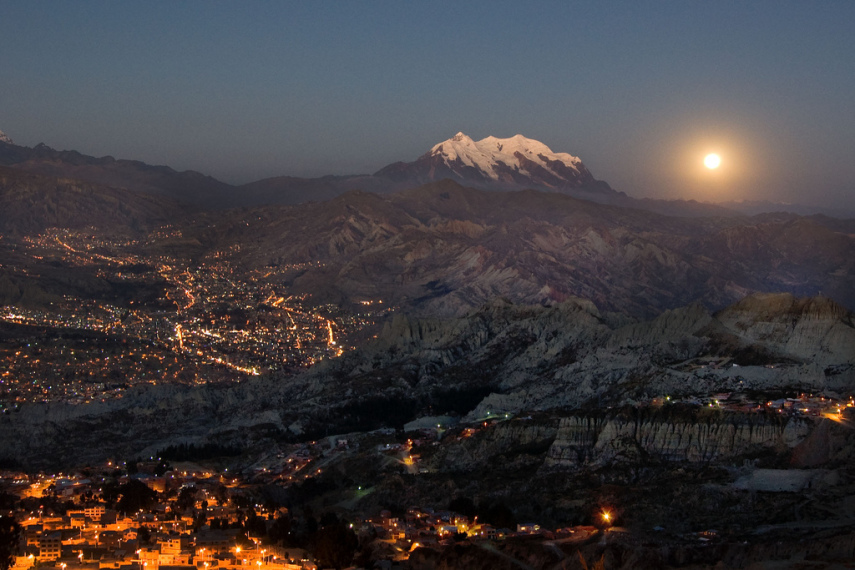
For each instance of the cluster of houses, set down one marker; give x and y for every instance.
(425, 527)
(801, 405)
(90, 536)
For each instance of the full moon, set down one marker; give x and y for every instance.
(712, 161)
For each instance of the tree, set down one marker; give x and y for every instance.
(7, 500)
(335, 545)
(143, 535)
(242, 540)
(110, 493)
(599, 565)
(255, 525)
(280, 531)
(186, 498)
(222, 493)
(135, 496)
(498, 515)
(10, 536)
(162, 468)
(199, 521)
(463, 505)
(329, 519)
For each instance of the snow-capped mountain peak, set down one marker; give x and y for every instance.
(4, 138)
(494, 156)
(513, 163)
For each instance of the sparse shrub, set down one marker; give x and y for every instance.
(599, 565)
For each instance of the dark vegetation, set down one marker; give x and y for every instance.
(458, 400)
(193, 452)
(10, 532)
(495, 513)
(374, 412)
(394, 410)
(130, 497)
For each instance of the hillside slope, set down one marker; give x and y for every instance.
(501, 358)
(443, 249)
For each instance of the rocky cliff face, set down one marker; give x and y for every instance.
(808, 328)
(508, 443)
(501, 358)
(601, 440)
(570, 354)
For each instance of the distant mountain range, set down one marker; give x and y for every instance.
(754, 207)
(32, 202)
(513, 163)
(445, 249)
(189, 187)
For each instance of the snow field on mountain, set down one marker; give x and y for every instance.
(487, 153)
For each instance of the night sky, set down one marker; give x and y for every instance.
(641, 91)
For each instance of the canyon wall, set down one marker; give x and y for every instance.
(582, 440)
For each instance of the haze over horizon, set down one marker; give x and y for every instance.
(640, 93)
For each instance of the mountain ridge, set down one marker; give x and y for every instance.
(33, 202)
(443, 248)
(206, 192)
(188, 186)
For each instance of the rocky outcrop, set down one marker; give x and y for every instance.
(505, 442)
(600, 440)
(621, 551)
(814, 328)
(503, 358)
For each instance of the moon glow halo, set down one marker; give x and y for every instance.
(712, 161)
